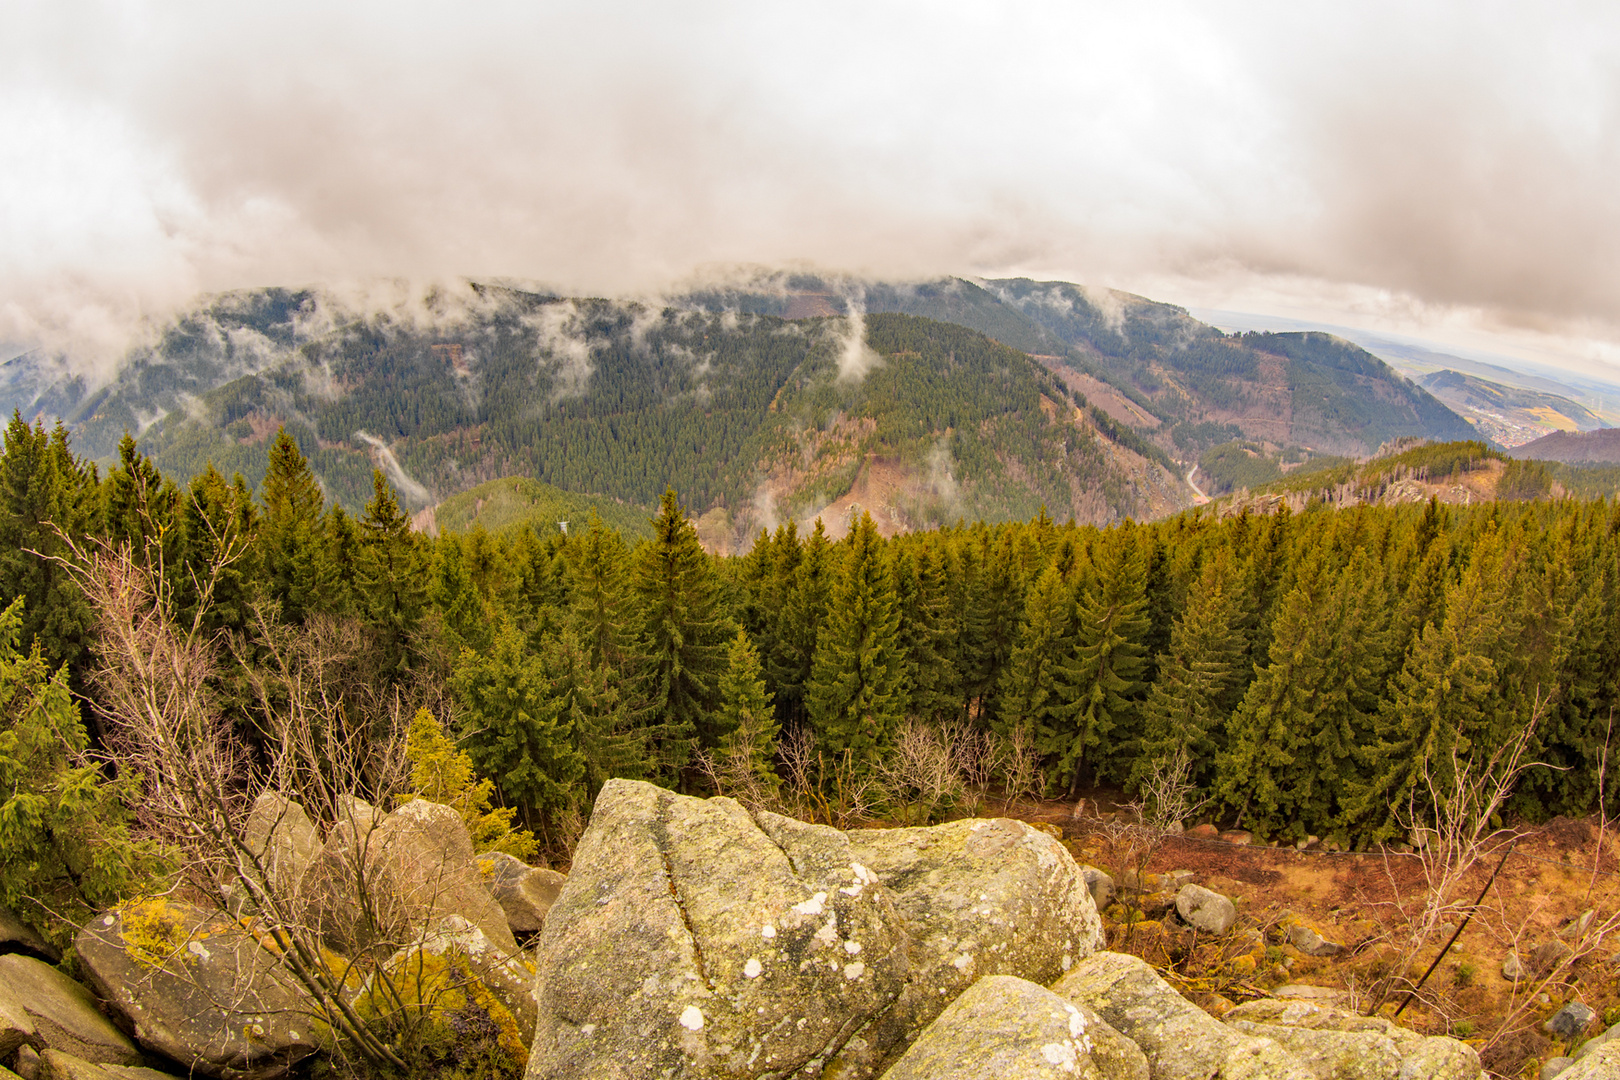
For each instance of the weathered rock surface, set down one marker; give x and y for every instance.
(1570, 1021)
(384, 880)
(61, 1014)
(1308, 939)
(1596, 1059)
(1011, 1029)
(18, 936)
(524, 892)
(284, 839)
(692, 940)
(55, 1065)
(16, 1029)
(1206, 911)
(196, 987)
(1333, 1044)
(1181, 1041)
(1101, 886)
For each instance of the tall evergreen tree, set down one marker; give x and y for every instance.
(1100, 683)
(857, 693)
(1030, 697)
(746, 714)
(1190, 701)
(804, 611)
(389, 580)
(599, 564)
(681, 638)
(293, 540)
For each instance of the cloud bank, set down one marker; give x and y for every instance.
(1442, 157)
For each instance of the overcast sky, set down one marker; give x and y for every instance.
(1453, 168)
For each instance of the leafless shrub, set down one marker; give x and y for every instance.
(732, 771)
(977, 756)
(919, 773)
(834, 791)
(1021, 773)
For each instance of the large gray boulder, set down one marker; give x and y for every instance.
(383, 881)
(1598, 1058)
(18, 936)
(693, 940)
(1333, 1044)
(55, 1065)
(46, 1009)
(1181, 1041)
(195, 986)
(524, 892)
(1011, 1029)
(281, 836)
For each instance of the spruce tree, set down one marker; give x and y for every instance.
(43, 489)
(746, 714)
(389, 580)
(681, 638)
(1100, 682)
(1029, 697)
(519, 732)
(857, 693)
(804, 611)
(1190, 701)
(293, 539)
(599, 565)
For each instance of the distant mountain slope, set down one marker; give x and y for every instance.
(1571, 447)
(519, 502)
(788, 396)
(1510, 415)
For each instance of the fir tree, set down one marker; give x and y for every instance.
(804, 611)
(600, 588)
(857, 693)
(293, 539)
(389, 579)
(518, 731)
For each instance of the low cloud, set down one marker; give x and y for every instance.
(855, 357)
(1453, 159)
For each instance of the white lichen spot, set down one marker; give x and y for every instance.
(197, 949)
(1068, 961)
(767, 931)
(1060, 1054)
(587, 1029)
(813, 906)
(962, 962)
(828, 934)
(752, 968)
(855, 970)
(862, 874)
(109, 920)
(852, 947)
(1077, 1023)
(692, 1018)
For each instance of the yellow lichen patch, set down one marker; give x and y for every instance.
(154, 933)
(443, 994)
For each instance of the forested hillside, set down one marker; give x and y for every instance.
(1322, 672)
(780, 399)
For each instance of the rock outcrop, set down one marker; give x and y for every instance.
(524, 892)
(43, 1008)
(1334, 1044)
(694, 940)
(195, 986)
(1011, 1029)
(1179, 1039)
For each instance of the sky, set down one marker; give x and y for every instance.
(1443, 169)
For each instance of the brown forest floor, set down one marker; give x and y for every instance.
(1555, 873)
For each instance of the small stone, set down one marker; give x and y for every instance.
(1205, 831)
(1512, 969)
(1205, 909)
(1308, 940)
(1576, 926)
(1570, 1021)
(1239, 837)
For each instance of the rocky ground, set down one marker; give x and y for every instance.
(693, 938)
(1544, 948)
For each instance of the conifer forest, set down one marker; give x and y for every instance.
(1320, 671)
